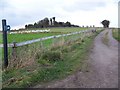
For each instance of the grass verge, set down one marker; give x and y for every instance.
(116, 34)
(58, 63)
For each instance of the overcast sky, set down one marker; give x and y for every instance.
(79, 12)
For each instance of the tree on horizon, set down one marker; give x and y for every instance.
(105, 23)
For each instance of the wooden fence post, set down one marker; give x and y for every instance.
(14, 55)
(42, 46)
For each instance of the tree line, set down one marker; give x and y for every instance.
(44, 23)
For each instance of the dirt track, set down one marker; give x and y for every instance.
(102, 67)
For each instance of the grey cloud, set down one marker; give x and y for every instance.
(15, 19)
(85, 6)
(17, 16)
(4, 4)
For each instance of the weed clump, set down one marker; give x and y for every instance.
(52, 55)
(66, 49)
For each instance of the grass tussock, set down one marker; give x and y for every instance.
(52, 55)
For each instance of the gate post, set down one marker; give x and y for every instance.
(5, 28)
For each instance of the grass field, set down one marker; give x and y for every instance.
(25, 37)
(72, 29)
(31, 36)
(63, 29)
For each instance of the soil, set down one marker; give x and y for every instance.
(102, 67)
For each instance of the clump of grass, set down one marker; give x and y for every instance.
(44, 62)
(66, 49)
(52, 55)
(57, 43)
(75, 45)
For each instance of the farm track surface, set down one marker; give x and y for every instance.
(102, 67)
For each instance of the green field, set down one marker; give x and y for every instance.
(72, 29)
(31, 36)
(62, 29)
(25, 37)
